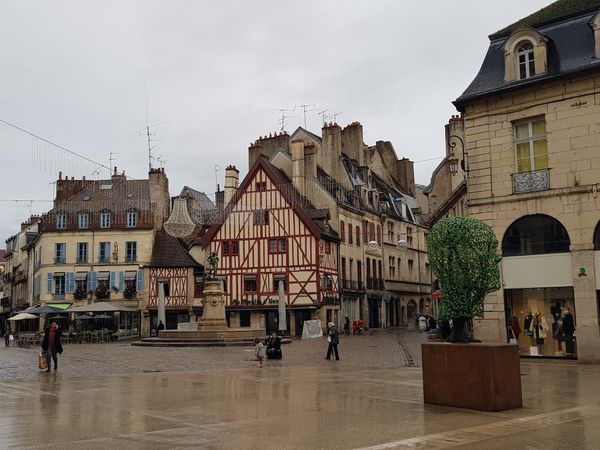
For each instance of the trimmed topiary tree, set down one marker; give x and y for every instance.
(462, 254)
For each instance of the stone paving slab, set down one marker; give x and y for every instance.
(381, 349)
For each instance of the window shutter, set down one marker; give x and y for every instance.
(112, 281)
(70, 282)
(92, 281)
(140, 281)
(121, 281)
(50, 282)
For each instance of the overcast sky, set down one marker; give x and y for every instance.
(75, 73)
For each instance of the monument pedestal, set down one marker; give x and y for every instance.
(485, 377)
(213, 308)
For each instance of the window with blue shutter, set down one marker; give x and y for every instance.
(92, 281)
(112, 282)
(121, 281)
(70, 282)
(140, 281)
(50, 280)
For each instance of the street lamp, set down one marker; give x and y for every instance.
(453, 159)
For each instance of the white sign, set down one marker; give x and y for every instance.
(488, 307)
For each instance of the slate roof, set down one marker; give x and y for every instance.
(555, 11)
(168, 252)
(200, 197)
(570, 50)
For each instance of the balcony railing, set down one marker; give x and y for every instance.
(535, 181)
(59, 260)
(82, 260)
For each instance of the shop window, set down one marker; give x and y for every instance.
(245, 319)
(535, 235)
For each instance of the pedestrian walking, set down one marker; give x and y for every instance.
(259, 351)
(333, 339)
(51, 344)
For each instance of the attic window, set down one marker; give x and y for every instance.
(526, 60)
(106, 187)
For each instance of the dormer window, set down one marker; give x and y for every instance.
(61, 221)
(105, 219)
(132, 219)
(526, 60)
(83, 220)
(525, 54)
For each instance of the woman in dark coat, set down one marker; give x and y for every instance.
(274, 347)
(52, 345)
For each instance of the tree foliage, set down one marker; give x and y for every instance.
(462, 254)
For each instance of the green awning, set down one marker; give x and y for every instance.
(59, 305)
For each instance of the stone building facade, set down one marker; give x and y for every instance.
(531, 124)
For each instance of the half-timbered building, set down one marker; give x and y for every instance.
(269, 234)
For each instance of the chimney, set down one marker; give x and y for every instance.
(406, 175)
(160, 199)
(310, 170)
(352, 142)
(267, 146)
(331, 149)
(297, 149)
(232, 177)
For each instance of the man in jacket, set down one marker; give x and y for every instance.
(332, 337)
(51, 344)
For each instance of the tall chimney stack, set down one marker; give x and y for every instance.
(232, 177)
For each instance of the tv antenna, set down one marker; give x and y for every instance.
(145, 131)
(323, 115)
(217, 169)
(334, 116)
(110, 160)
(282, 121)
(305, 109)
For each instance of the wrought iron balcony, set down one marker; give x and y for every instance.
(534, 181)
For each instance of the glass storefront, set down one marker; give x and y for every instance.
(542, 321)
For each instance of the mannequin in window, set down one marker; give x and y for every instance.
(568, 331)
(528, 324)
(540, 326)
(557, 332)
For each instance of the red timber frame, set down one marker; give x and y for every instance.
(307, 258)
(177, 277)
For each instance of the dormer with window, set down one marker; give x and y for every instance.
(525, 54)
(61, 220)
(105, 219)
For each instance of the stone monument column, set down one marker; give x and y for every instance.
(213, 307)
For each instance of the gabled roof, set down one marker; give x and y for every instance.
(168, 252)
(292, 196)
(312, 135)
(570, 50)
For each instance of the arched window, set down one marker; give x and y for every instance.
(525, 60)
(535, 235)
(597, 237)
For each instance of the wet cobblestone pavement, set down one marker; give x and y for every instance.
(380, 349)
(107, 396)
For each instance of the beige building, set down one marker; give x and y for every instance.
(96, 244)
(531, 119)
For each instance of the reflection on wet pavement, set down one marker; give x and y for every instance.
(278, 407)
